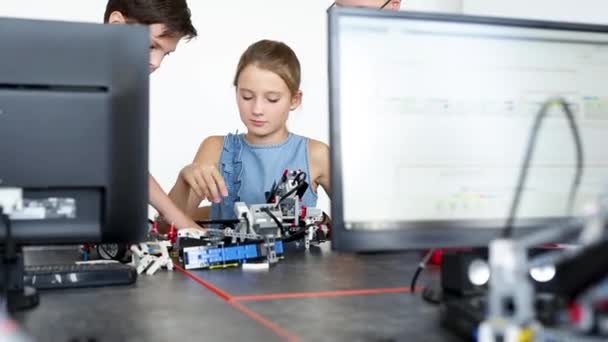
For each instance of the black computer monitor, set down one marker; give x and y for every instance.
(74, 126)
(430, 117)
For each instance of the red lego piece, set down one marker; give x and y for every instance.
(172, 234)
(437, 257)
(154, 229)
(303, 211)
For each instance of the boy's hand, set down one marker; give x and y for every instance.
(205, 181)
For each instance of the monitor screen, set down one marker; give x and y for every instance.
(431, 116)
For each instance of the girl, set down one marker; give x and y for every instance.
(242, 167)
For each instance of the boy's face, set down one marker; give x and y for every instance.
(161, 43)
(392, 5)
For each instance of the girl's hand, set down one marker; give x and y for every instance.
(205, 181)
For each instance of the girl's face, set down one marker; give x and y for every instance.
(264, 103)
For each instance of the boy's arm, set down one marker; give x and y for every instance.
(166, 208)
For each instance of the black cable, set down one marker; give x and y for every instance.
(289, 193)
(300, 177)
(508, 231)
(275, 219)
(246, 218)
(298, 234)
(300, 183)
(415, 278)
(421, 266)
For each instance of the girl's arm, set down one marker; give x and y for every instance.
(182, 196)
(201, 179)
(319, 165)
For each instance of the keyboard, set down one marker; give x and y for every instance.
(79, 275)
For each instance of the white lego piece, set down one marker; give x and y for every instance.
(242, 213)
(240, 208)
(192, 233)
(256, 266)
(164, 260)
(309, 235)
(313, 215)
(155, 265)
(167, 261)
(144, 261)
(141, 257)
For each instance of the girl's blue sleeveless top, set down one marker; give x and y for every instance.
(250, 170)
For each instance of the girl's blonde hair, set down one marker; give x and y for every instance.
(273, 56)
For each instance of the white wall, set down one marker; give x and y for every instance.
(192, 96)
(591, 11)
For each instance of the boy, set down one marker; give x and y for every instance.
(169, 22)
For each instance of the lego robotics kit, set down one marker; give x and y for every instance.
(257, 235)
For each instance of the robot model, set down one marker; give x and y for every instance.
(259, 230)
(257, 233)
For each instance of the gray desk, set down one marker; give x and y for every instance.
(309, 296)
(162, 307)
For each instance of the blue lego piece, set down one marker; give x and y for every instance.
(203, 256)
(278, 247)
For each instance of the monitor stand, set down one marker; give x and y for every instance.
(18, 297)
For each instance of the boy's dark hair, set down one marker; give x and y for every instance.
(174, 14)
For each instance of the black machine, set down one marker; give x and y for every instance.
(73, 136)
